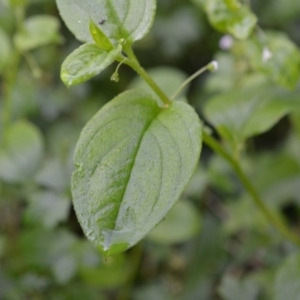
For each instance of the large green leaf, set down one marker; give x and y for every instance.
(133, 160)
(127, 19)
(287, 285)
(5, 49)
(86, 62)
(245, 112)
(230, 16)
(38, 31)
(21, 151)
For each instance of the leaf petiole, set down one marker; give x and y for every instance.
(133, 62)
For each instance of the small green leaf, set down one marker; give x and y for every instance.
(180, 224)
(133, 161)
(232, 288)
(86, 62)
(5, 49)
(20, 152)
(287, 285)
(53, 174)
(47, 209)
(278, 57)
(245, 112)
(231, 17)
(38, 31)
(127, 19)
(100, 38)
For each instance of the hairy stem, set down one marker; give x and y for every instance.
(135, 65)
(277, 222)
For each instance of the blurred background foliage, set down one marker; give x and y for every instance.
(214, 244)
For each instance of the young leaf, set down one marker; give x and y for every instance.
(38, 31)
(127, 19)
(231, 17)
(133, 161)
(20, 152)
(100, 38)
(245, 112)
(86, 62)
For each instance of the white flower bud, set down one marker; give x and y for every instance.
(266, 55)
(213, 66)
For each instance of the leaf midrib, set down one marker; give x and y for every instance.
(134, 161)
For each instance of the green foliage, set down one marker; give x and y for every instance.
(21, 152)
(38, 31)
(231, 16)
(100, 38)
(234, 233)
(123, 186)
(244, 112)
(167, 78)
(276, 56)
(111, 17)
(181, 224)
(286, 282)
(86, 62)
(47, 209)
(231, 288)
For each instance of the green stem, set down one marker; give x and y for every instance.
(215, 145)
(135, 65)
(277, 222)
(212, 66)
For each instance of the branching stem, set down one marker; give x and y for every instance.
(273, 219)
(133, 62)
(216, 146)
